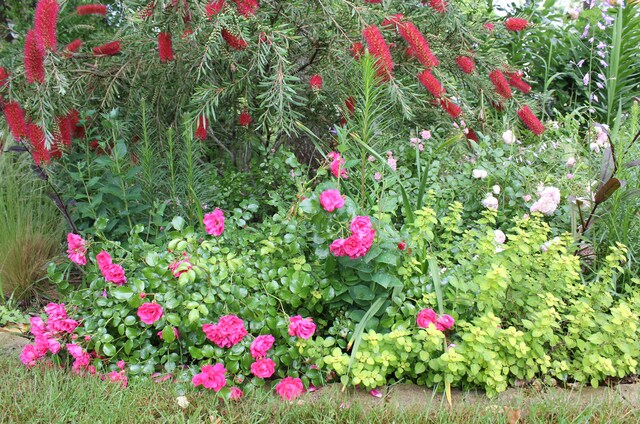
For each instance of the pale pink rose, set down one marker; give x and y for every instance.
(426, 135)
(290, 388)
(301, 327)
(500, 237)
(150, 312)
(261, 345)
(228, 332)
(180, 267)
(214, 222)
(336, 247)
(77, 250)
(548, 201)
(526, 197)
(421, 147)
(263, 368)
(425, 317)
(211, 377)
(490, 202)
(331, 200)
(377, 176)
(444, 322)
(235, 393)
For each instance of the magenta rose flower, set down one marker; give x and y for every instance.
(228, 332)
(301, 327)
(354, 247)
(290, 388)
(444, 322)
(361, 227)
(426, 317)
(114, 273)
(56, 311)
(150, 312)
(37, 326)
(261, 345)
(62, 325)
(211, 377)
(103, 259)
(331, 200)
(29, 355)
(263, 368)
(214, 222)
(337, 163)
(77, 250)
(235, 393)
(337, 248)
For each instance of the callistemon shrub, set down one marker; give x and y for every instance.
(239, 69)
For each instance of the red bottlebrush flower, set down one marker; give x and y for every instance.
(451, 108)
(350, 103)
(4, 77)
(147, 11)
(418, 43)
(39, 151)
(64, 132)
(530, 120)
(439, 6)
(431, 83)
(91, 9)
(515, 24)
(316, 82)
(466, 64)
(202, 124)
(515, 81)
(73, 47)
(392, 20)
(15, 119)
(373, 1)
(244, 119)
(109, 49)
(74, 120)
(489, 26)
(246, 7)
(45, 22)
(234, 41)
(165, 47)
(500, 83)
(356, 50)
(213, 8)
(33, 58)
(380, 50)
(410, 52)
(471, 135)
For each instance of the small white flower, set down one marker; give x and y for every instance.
(594, 147)
(508, 137)
(480, 174)
(183, 402)
(571, 162)
(490, 202)
(496, 189)
(500, 236)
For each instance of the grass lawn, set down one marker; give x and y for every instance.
(52, 396)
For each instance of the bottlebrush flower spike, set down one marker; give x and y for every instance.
(4, 77)
(109, 49)
(73, 47)
(380, 50)
(500, 83)
(246, 8)
(147, 11)
(165, 47)
(431, 83)
(65, 131)
(316, 82)
(39, 151)
(515, 24)
(74, 120)
(373, 1)
(91, 9)
(233, 41)
(15, 119)
(451, 108)
(213, 8)
(418, 44)
(439, 6)
(33, 58)
(45, 22)
(201, 128)
(244, 119)
(530, 120)
(489, 26)
(356, 50)
(515, 81)
(466, 64)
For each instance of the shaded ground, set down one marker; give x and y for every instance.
(46, 394)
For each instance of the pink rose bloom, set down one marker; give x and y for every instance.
(426, 317)
(37, 326)
(301, 327)
(103, 259)
(228, 332)
(261, 345)
(500, 236)
(211, 377)
(337, 247)
(336, 165)
(354, 247)
(114, 273)
(77, 250)
(180, 267)
(289, 388)
(444, 322)
(121, 364)
(548, 202)
(150, 312)
(331, 200)
(214, 222)
(235, 393)
(75, 350)
(56, 311)
(29, 355)
(81, 362)
(117, 377)
(361, 226)
(62, 325)
(263, 368)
